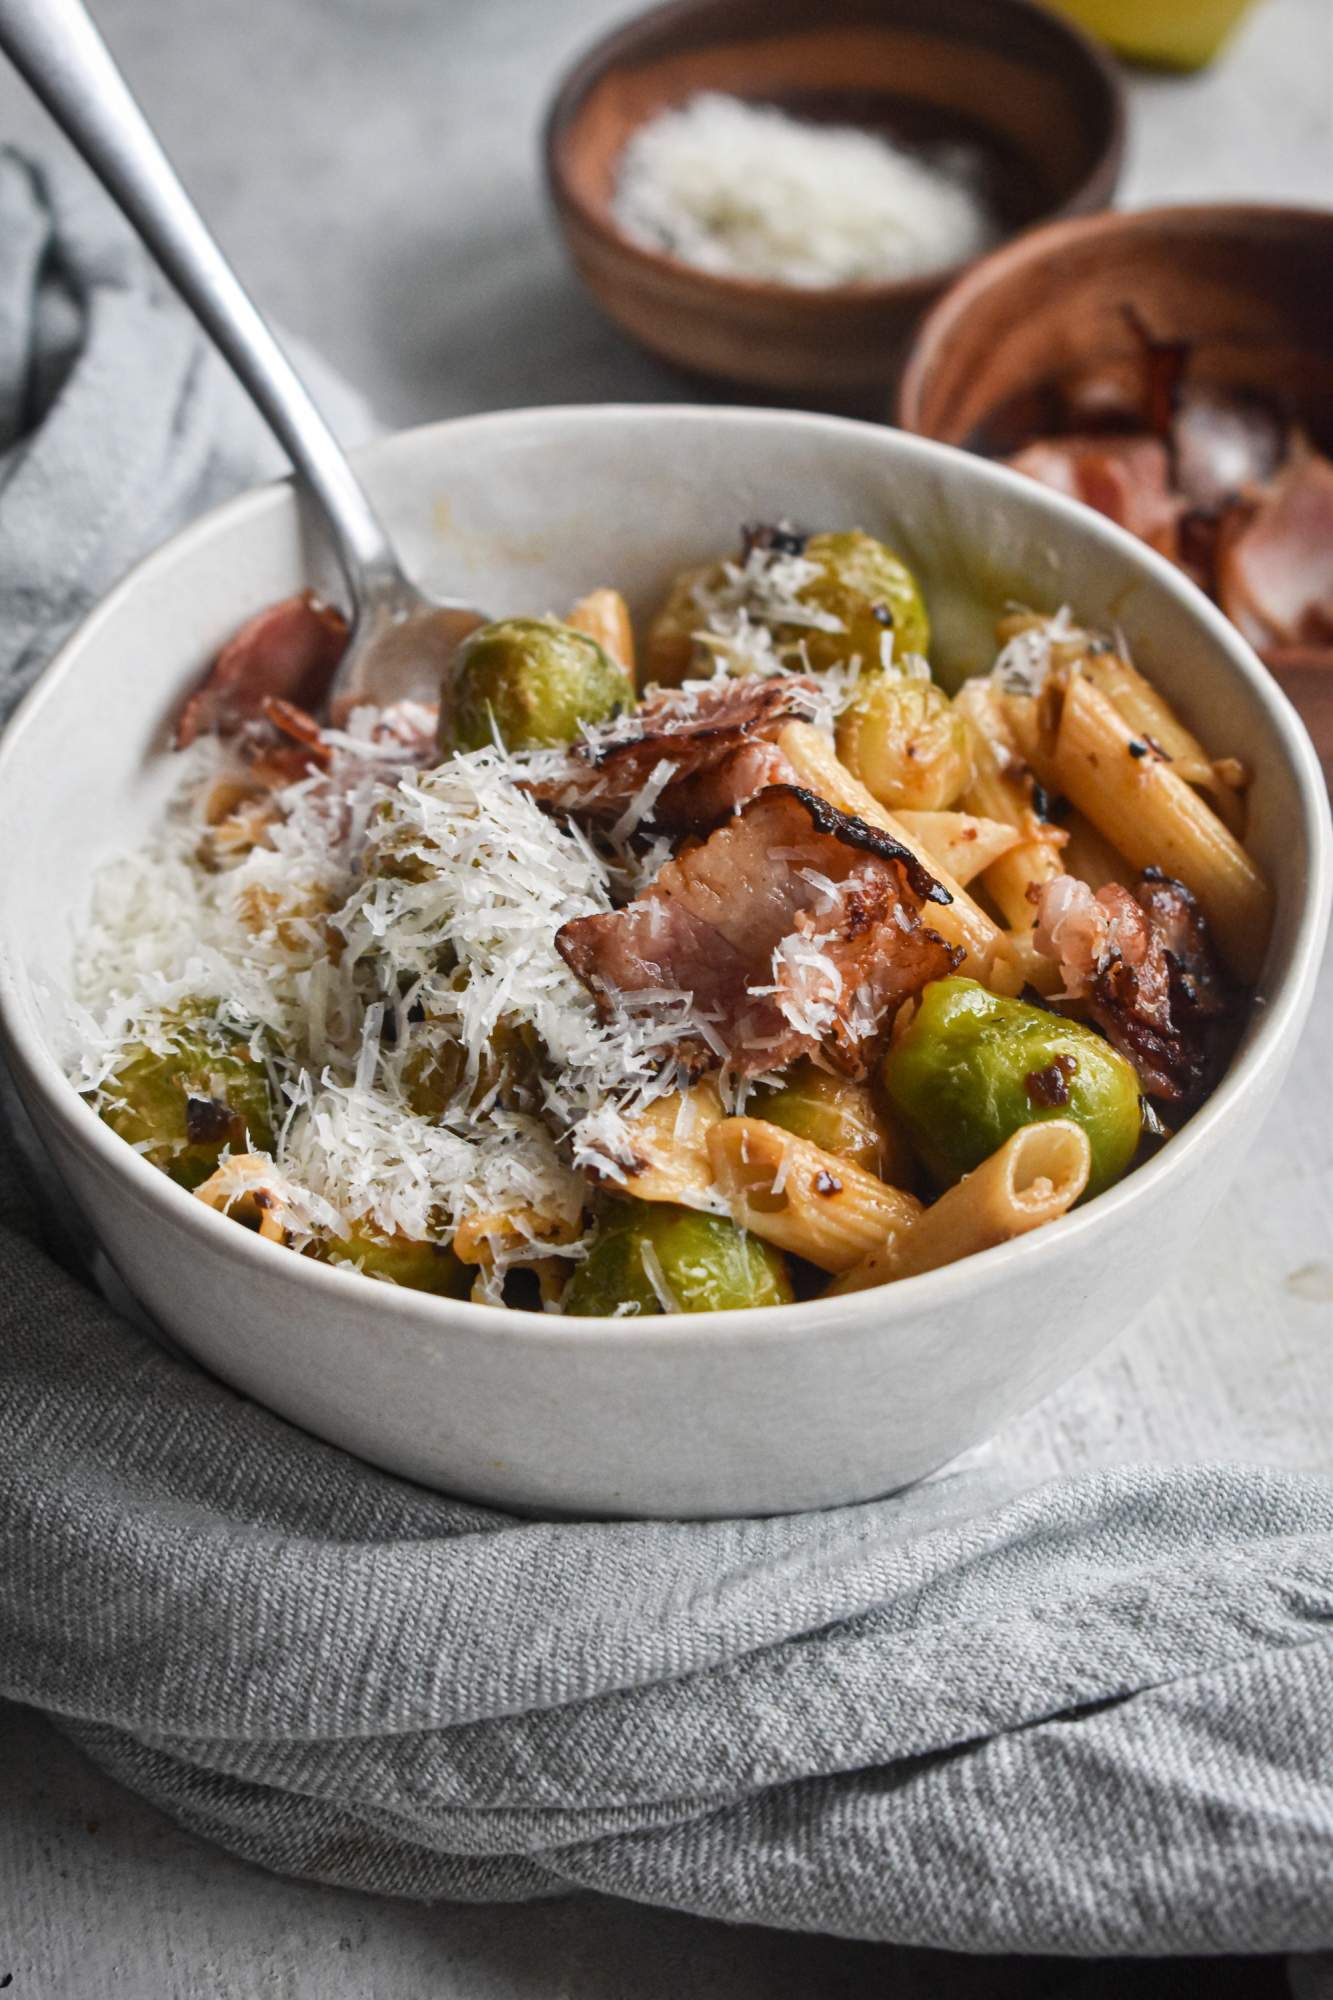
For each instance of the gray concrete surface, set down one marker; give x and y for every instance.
(371, 166)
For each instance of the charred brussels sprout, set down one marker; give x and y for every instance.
(190, 1091)
(874, 594)
(971, 1068)
(531, 682)
(902, 737)
(703, 1262)
(420, 1267)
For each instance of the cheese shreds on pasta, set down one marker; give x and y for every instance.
(745, 191)
(397, 912)
(389, 943)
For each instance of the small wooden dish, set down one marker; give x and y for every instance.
(1246, 286)
(1040, 104)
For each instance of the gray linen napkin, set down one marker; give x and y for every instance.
(1093, 1720)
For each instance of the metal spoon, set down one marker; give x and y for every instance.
(401, 640)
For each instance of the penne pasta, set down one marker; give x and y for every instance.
(1154, 721)
(604, 616)
(961, 922)
(670, 1145)
(1002, 787)
(248, 1187)
(507, 1234)
(795, 1195)
(1035, 969)
(1146, 710)
(1148, 713)
(1034, 1177)
(962, 843)
(1138, 803)
(1089, 855)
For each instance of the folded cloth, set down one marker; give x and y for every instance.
(1094, 1719)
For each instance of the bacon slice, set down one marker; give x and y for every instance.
(710, 749)
(1144, 965)
(285, 653)
(1126, 478)
(794, 926)
(1275, 558)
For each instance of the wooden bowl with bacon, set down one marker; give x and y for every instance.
(1172, 368)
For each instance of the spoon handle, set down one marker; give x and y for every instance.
(56, 47)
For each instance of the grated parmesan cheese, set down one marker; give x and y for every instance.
(440, 893)
(1024, 662)
(388, 942)
(745, 191)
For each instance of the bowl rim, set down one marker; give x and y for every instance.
(1049, 240)
(601, 56)
(1278, 1019)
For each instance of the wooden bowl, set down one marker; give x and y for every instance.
(1247, 286)
(1041, 105)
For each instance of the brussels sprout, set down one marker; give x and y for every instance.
(705, 1262)
(905, 742)
(839, 1115)
(531, 682)
(971, 1068)
(864, 584)
(420, 1267)
(857, 580)
(436, 1068)
(182, 1105)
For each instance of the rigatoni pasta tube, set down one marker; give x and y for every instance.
(1156, 820)
(961, 922)
(1035, 1176)
(795, 1195)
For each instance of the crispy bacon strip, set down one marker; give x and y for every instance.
(794, 927)
(1126, 478)
(716, 742)
(286, 653)
(1145, 968)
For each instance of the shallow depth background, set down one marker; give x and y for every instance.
(371, 165)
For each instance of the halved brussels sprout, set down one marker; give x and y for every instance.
(202, 1092)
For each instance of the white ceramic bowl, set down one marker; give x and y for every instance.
(743, 1412)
